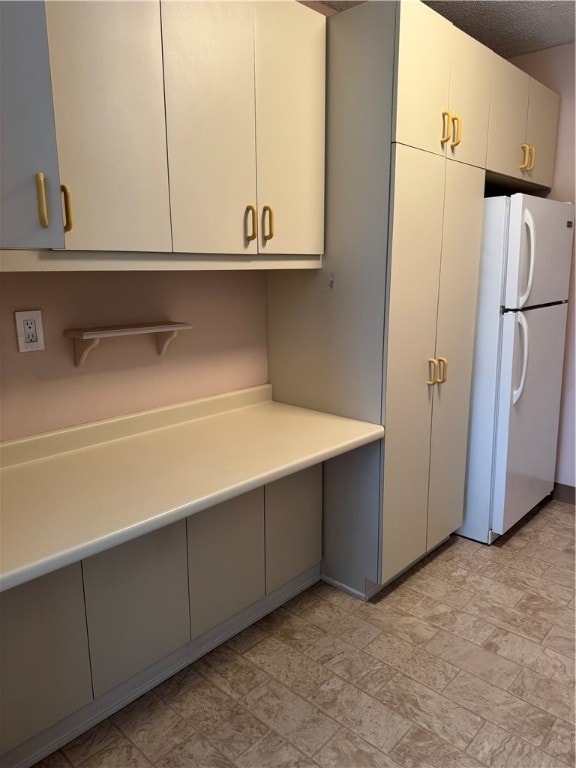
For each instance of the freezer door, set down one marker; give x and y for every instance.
(539, 251)
(528, 411)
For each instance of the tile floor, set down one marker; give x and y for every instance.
(467, 661)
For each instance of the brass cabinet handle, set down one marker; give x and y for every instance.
(251, 210)
(268, 234)
(68, 221)
(446, 118)
(457, 131)
(443, 370)
(531, 158)
(432, 371)
(526, 150)
(41, 198)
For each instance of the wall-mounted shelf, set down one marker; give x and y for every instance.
(86, 339)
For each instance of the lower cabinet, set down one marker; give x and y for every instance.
(136, 604)
(44, 655)
(225, 559)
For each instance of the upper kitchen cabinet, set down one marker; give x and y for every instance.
(245, 121)
(106, 64)
(30, 210)
(442, 88)
(523, 125)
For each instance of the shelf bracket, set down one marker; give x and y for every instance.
(163, 341)
(82, 348)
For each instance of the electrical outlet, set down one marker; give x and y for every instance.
(29, 330)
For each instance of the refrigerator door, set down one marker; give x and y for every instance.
(539, 251)
(528, 411)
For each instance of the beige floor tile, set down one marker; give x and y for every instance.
(554, 520)
(550, 695)
(302, 601)
(287, 665)
(457, 546)
(555, 540)
(346, 750)
(330, 594)
(544, 661)
(526, 582)
(195, 752)
(151, 726)
(513, 560)
(367, 717)
(232, 673)
(397, 595)
(474, 659)
(421, 748)
(373, 683)
(538, 607)
(497, 748)
(55, 760)
(347, 626)
(477, 583)
(102, 736)
(246, 639)
(560, 575)
(177, 684)
(273, 752)
(561, 640)
(431, 710)
(564, 558)
(513, 619)
(406, 626)
(293, 718)
(459, 623)
(118, 756)
(500, 707)
(290, 628)
(345, 660)
(412, 661)
(430, 586)
(559, 742)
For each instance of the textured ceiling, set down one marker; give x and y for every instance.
(509, 27)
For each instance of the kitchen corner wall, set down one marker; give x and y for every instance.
(43, 391)
(555, 68)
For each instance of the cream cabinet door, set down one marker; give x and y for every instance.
(541, 133)
(411, 336)
(136, 604)
(106, 64)
(461, 247)
(28, 132)
(507, 123)
(423, 78)
(225, 560)
(469, 99)
(44, 655)
(290, 119)
(210, 118)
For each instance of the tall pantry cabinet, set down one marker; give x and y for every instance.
(390, 322)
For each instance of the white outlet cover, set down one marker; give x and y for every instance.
(20, 317)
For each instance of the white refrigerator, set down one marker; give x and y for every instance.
(518, 360)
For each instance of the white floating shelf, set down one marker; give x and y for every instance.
(86, 339)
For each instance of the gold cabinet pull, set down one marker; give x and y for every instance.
(253, 234)
(526, 150)
(443, 370)
(531, 158)
(41, 198)
(456, 131)
(268, 213)
(432, 371)
(446, 119)
(68, 221)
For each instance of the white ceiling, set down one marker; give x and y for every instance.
(509, 27)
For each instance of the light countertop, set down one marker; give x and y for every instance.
(65, 506)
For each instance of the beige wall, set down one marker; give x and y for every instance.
(555, 68)
(42, 391)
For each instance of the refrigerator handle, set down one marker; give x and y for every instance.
(523, 325)
(531, 229)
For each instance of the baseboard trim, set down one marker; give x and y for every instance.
(565, 493)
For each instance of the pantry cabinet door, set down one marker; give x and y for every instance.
(461, 247)
(469, 99)
(423, 77)
(541, 130)
(411, 334)
(136, 604)
(44, 655)
(106, 63)
(507, 123)
(290, 118)
(209, 75)
(27, 130)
